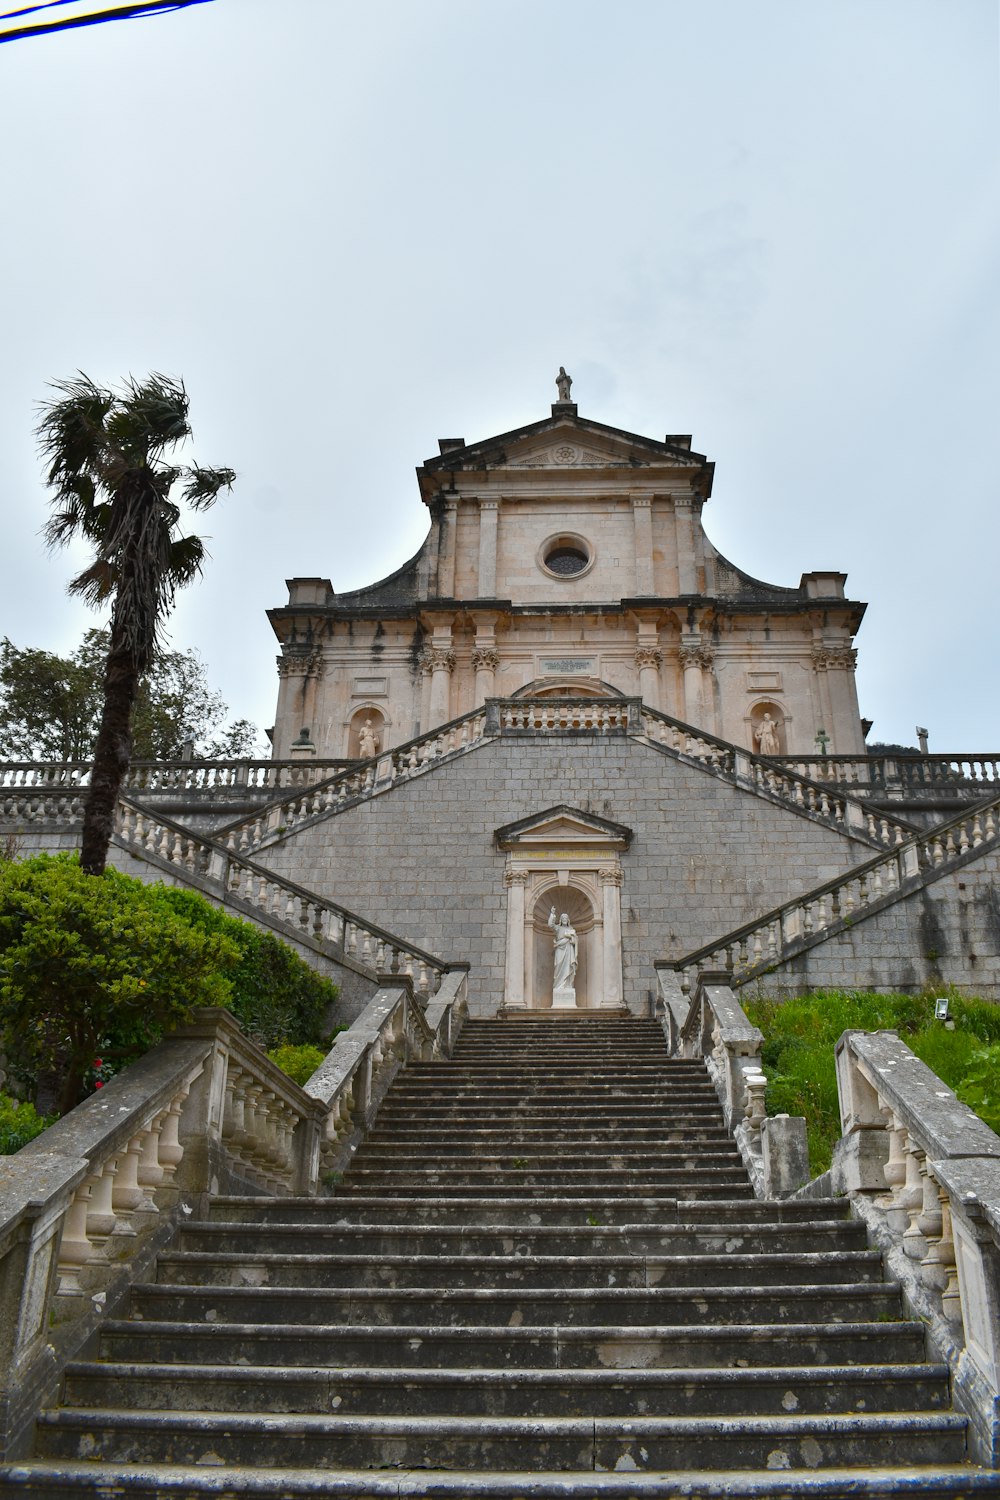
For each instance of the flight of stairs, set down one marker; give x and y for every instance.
(544, 1274)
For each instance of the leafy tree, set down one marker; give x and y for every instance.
(112, 488)
(95, 969)
(50, 706)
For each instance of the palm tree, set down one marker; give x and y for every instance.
(112, 487)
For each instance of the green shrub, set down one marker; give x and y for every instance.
(276, 996)
(19, 1123)
(94, 966)
(800, 1035)
(300, 1063)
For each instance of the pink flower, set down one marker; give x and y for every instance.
(98, 1063)
(98, 1084)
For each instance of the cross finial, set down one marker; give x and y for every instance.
(822, 740)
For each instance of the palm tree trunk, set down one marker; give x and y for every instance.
(112, 753)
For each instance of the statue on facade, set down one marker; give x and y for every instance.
(766, 735)
(564, 959)
(368, 741)
(563, 383)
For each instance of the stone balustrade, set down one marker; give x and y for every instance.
(364, 779)
(356, 1073)
(86, 1206)
(173, 775)
(923, 1172)
(565, 715)
(712, 1025)
(260, 893)
(929, 777)
(758, 946)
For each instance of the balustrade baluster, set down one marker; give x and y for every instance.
(75, 1248)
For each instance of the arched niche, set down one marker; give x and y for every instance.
(578, 906)
(760, 712)
(368, 714)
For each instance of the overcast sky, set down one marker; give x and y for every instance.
(354, 228)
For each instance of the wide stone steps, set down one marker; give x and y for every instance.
(520, 1307)
(540, 1443)
(829, 1238)
(509, 1392)
(554, 1347)
(543, 1274)
(576, 1272)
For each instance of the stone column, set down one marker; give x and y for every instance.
(486, 662)
(687, 560)
(441, 661)
(649, 659)
(299, 672)
(611, 881)
(642, 526)
(692, 659)
(515, 881)
(488, 518)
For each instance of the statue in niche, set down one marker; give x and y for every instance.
(766, 735)
(564, 959)
(368, 741)
(563, 383)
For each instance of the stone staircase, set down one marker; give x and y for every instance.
(544, 1274)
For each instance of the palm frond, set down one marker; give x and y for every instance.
(77, 516)
(97, 583)
(71, 429)
(152, 414)
(187, 557)
(203, 486)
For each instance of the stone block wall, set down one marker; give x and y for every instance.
(420, 860)
(948, 932)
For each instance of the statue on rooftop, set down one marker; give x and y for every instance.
(563, 383)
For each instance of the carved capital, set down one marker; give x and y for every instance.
(700, 655)
(648, 656)
(833, 658)
(438, 659)
(641, 502)
(486, 658)
(298, 661)
(610, 877)
(515, 877)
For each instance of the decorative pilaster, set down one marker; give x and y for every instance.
(834, 664)
(649, 660)
(439, 661)
(488, 521)
(486, 664)
(687, 559)
(611, 883)
(300, 670)
(696, 656)
(515, 881)
(449, 547)
(642, 527)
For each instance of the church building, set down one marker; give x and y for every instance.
(568, 559)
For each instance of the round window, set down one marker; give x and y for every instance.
(566, 560)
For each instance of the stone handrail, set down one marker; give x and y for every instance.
(772, 777)
(900, 775)
(85, 1207)
(758, 946)
(712, 1025)
(364, 779)
(355, 1074)
(173, 775)
(279, 902)
(562, 715)
(923, 1172)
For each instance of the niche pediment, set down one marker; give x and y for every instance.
(564, 828)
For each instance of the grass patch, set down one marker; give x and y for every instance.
(800, 1034)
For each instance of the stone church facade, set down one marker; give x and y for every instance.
(568, 558)
(569, 719)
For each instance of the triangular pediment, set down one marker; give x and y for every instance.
(567, 827)
(568, 442)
